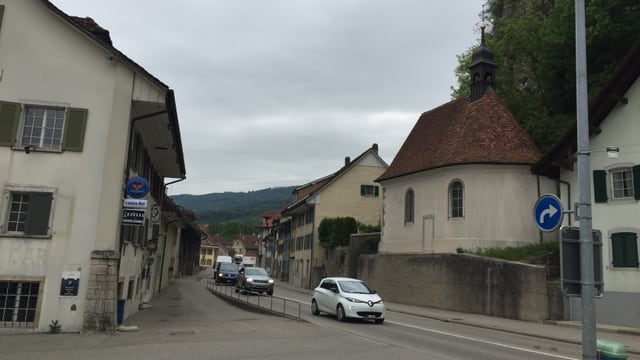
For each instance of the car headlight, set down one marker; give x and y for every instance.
(270, 281)
(250, 280)
(353, 300)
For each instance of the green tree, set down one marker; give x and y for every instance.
(534, 45)
(334, 232)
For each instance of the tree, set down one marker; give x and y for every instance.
(534, 45)
(334, 232)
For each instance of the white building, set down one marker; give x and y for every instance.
(78, 120)
(462, 179)
(615, 189)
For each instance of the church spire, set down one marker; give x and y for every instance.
(482, 67)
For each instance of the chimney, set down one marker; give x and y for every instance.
(374, 147)
(347, 161)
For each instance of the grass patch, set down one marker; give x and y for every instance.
(519, 253)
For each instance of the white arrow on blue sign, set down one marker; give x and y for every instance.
(548, 212)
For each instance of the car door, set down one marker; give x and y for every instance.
(333, 297)
(322, 296)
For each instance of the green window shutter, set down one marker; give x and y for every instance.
(74, 129)
(600, 186)
(624, 249)
(362, 191)
(376, 191)
(1, 13)
(636, 182)
(37, 221)
(9, 117)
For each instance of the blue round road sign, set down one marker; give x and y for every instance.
(137, 187)
(548, 212)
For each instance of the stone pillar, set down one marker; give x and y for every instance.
(101, 306)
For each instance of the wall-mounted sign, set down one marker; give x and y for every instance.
(135, 203)
(137, 187)
(132, 217)
(155, 213)
(69, 283)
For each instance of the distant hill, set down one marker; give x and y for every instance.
(243, 207)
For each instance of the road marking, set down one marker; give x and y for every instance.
(485, 341)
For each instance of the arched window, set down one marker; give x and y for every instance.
(456, 199)
(409, 207)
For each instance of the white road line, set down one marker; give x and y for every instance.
(485, 341)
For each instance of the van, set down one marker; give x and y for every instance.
(220, 259)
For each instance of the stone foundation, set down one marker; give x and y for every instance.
(101, 306)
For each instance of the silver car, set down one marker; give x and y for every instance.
(254, 279)
(347, 298)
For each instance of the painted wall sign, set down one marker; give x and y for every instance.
(135, 203)
(137, 187)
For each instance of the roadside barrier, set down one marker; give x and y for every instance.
(272, 304)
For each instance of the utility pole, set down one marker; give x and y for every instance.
(583, 208)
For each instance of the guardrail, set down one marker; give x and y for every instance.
(274, 304)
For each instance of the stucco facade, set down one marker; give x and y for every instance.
(54, 63)
(341, 194)
(619, 304)
(498, 202)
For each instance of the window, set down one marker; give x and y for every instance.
(620, 182)
(369, 190)
(28, 213)
(42, 127)
(18, 302)
(456, 202)
(408, 207)
(624, 249)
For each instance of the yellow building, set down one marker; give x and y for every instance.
(349, 192)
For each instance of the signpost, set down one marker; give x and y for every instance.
(570, 274)
(548, 212)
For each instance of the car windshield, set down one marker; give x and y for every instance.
(354, 287)
(228, 267)
(255, 271)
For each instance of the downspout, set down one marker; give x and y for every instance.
(166, 229)
(313, 240)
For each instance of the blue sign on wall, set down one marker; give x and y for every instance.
(548, 212)
(137, 187)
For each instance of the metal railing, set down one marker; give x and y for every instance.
(273, 304)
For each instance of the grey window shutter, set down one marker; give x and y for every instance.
(74, 129)
(9, 117)
(636, 182)
(625, 249)
(37, 221)
(600, 186)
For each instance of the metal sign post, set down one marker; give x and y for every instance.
(583, 211)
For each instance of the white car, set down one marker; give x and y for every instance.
(347, 298)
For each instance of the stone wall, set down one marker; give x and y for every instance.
(101, 306)
(459, 282)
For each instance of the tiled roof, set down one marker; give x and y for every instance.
(464, 132)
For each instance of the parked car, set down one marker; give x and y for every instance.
(347, 298)
(226, 273)
(254, 279)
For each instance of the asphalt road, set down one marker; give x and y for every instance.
(189, 322)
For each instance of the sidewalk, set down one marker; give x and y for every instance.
(566, 331)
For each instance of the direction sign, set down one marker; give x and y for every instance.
(547, 212)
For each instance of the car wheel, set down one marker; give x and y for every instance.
(270, 292)
(244, 289)
(379, 321)
(340, 315)
(314, 307)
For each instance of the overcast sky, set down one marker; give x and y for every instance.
(278, 92)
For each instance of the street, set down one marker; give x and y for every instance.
(187, 321)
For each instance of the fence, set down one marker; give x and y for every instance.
(272, 304)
